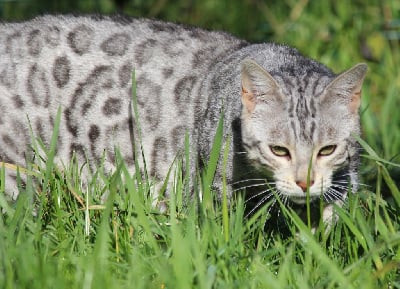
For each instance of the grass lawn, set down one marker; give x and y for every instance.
(74, 240)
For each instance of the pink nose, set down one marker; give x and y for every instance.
(303, 185)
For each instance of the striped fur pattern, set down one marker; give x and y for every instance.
(309, 142)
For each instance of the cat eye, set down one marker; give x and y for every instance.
(280, 151)
(327, 150)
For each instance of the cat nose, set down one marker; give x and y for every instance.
(303, 185)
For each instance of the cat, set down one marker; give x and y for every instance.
(292, 121)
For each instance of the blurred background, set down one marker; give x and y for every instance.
(336, 33)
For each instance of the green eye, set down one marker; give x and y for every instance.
(327, 150)
(280, 151)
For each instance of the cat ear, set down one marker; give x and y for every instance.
(348, 85)
(256, 83)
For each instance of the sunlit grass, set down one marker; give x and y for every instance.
(66, 237)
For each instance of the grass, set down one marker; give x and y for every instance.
(73, 240)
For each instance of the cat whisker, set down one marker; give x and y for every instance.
(253, 185)
(332, 194)
(284, 199)
(327, 197)
(260, 203)
(249, 186)
(336, 194)
(333, 189)
(338, 186)
(273, 204)
(259, 194)
(247, 180)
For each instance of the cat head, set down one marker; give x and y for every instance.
(301, 128)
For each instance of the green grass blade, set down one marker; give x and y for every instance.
(310, 245)
(225, 215)
(343, 215)
(212, 164)
(51, 152)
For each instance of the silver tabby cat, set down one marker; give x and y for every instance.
(285, 113)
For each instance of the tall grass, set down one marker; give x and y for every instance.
(74, 240)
